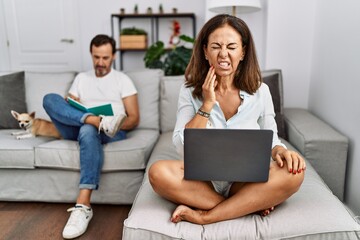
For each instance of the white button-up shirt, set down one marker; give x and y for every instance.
(255, 112)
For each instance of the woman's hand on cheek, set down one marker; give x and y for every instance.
(208, 89)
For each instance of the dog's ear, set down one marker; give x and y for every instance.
(15, 114)
(32, 114)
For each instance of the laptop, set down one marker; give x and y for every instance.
(233, 155)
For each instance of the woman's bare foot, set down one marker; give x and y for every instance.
(266, 212)
(184, 213)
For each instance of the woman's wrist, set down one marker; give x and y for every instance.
(203, 113)
(206, 107)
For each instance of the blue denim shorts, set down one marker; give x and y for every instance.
(222, 187)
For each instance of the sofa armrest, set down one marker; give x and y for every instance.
(324, 147)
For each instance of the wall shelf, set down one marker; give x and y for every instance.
(154, 23)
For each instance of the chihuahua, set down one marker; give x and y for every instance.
(34, 126)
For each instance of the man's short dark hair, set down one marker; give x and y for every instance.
(102, 39)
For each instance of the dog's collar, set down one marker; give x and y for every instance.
(28, 127)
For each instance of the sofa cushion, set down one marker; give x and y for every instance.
(147, 84)
(311, 213)
(169, 94)
(129, 154)
(38, 84)
(273, 78)
(18, 153)
(12, 97)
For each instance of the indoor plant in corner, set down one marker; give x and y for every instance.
(174, 61)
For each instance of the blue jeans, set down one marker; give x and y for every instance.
(70, 123)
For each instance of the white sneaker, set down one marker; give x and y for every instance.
(110, 125)
(78, 221)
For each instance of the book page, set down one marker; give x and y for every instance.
(105, 109)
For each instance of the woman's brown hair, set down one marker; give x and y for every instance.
(247, 76)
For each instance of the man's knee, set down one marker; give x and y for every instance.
(48, 99)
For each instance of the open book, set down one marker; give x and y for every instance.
(105, 109)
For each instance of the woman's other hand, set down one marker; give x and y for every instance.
(295, 163)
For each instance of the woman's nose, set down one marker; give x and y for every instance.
(223, 52)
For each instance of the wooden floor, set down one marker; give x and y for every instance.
(46, 221)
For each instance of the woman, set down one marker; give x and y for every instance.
(223, 89)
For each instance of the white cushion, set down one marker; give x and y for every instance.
(147, 84)
(129, 154)
(37, 85)
(18, 153)
(169, 94)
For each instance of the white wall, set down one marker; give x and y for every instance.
(4, 54)
(334, 89)
(289, 41)
(316, 44)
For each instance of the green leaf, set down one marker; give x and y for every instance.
(187, 38)
(176, 60)
(153, 55)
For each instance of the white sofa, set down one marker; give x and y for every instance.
(44, 169)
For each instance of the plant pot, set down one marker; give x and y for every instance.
(133, 41)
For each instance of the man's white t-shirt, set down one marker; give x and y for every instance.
(94, 91)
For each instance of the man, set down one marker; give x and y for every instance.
(99, 86)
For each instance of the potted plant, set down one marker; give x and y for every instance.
(173, 61)
(133, 38)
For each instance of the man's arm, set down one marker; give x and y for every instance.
(132, 110)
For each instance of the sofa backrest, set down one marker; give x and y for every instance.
(33, 86)
(169, 94)
(38, 84)
(157, 94)
(147, 82)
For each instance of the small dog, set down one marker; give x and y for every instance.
(34, 126)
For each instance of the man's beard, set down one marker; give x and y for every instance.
(101, 71)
